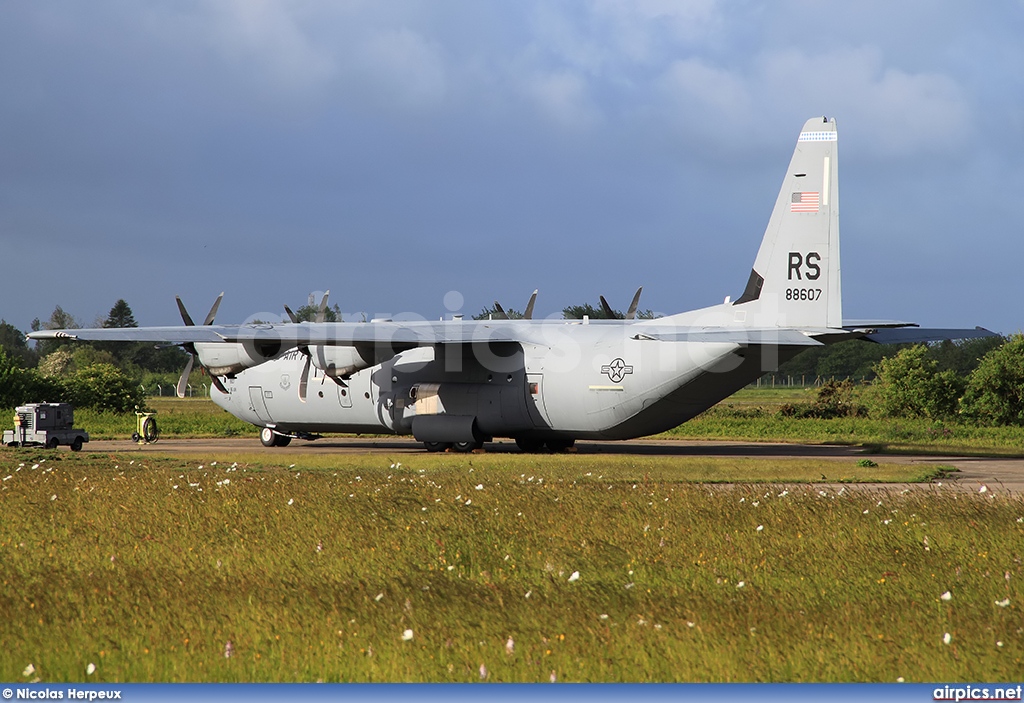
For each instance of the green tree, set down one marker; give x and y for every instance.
(57, 364)
(307, 313)
(577, 312)
(104, 387)
(20, 385)
(59, 320)
(909, 384)
(120, 316)
(853, 359)
(13, 341)
(137, 358)
(963, 356)
(487, 313)
(995, 390)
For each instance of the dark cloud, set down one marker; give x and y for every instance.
(394, 152)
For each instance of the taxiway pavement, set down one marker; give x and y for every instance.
(997, 474)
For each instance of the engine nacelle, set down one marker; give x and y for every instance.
(224, 358)
(339, 361)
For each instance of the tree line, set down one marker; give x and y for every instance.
(99, 375)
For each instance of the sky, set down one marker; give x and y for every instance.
(397, 152)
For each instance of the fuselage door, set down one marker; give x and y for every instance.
(259, 405)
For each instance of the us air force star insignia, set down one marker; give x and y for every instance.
(616, 370)
(286, 382)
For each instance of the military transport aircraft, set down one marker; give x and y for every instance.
(545, 383)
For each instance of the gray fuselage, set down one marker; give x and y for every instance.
(587, 380)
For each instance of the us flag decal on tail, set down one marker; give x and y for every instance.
(804, 202)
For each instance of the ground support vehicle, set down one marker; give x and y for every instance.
(45, 424)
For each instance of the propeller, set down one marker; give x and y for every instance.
(321, 314)
(630, 314)
(500, 314)
(528, 315)
(191, 348)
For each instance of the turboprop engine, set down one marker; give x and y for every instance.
(341, 362)
(227, 358)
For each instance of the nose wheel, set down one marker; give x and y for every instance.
(269, 438)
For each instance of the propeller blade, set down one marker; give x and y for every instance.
(213, 311)
(528, 315)
(304, 379)
(608, 312)
(322, 312)
(631, 313)
(185, 317)
(499, 312)
(183, 381)
(291, 315)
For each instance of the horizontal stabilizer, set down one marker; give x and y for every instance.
(875, 324)
(919, 335)
(734, 335)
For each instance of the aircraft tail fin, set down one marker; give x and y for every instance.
(795, 280)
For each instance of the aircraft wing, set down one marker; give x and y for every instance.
(162, 335)
(427, 333)
(421, 333)
(409, 333)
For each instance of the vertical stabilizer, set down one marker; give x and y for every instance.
(795, 281)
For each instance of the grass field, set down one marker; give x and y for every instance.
(752, 415)
(504, 567)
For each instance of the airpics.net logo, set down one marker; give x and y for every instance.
(978, 693)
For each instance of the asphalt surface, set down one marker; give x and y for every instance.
(1000, 475)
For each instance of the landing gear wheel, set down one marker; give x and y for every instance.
(283, 441)
(437, 446)
(467, 447)
(76, 444)
(52, 443)
(269, 438)
(528, 445)
(557, 446)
